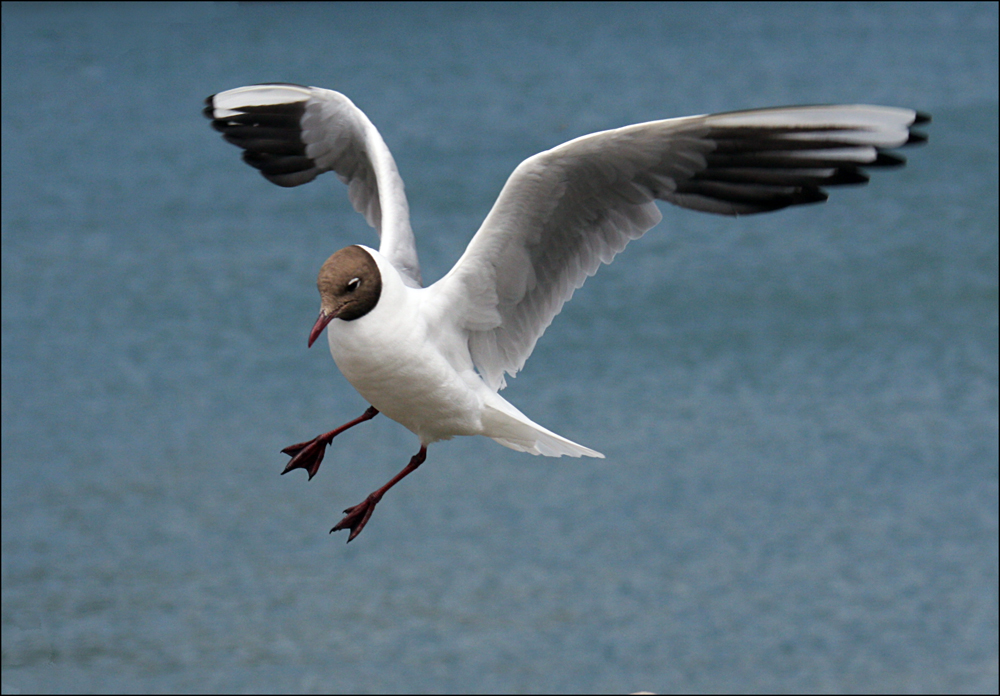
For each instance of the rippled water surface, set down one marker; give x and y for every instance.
(799, 410)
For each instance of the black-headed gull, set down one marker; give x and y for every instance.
(434, 358)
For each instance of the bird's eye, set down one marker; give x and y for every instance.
(353, 284)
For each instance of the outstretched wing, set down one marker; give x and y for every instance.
(565, 211)
(293, 133)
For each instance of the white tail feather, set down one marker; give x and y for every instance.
(511, 428)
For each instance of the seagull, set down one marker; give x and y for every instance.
(434, 358)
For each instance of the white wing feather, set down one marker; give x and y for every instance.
(293, 133)
(564, 212)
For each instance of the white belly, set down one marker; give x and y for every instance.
(396, 369)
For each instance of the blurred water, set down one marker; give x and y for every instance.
(799, 410)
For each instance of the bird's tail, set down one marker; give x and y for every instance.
(511, 428)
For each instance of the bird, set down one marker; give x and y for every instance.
(435, 357)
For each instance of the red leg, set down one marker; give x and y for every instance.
(309, 455)
(357, 517)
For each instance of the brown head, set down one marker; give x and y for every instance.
(349, 287)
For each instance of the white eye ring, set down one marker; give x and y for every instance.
(353, 284)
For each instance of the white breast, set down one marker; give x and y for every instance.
(401, 366)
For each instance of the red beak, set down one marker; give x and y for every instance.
(320, 324)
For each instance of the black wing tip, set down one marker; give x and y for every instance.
(916, 137)
(807, 195)
(810, 194)
(751, 173)
(276, 164)
(847, 176)
(729, 198)
(278, 181)
(886, 159)
(270, 136)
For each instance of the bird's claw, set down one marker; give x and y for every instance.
(306, 455)
(357, 517)
(309, 455)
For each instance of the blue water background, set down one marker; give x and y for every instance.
(799, 410)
